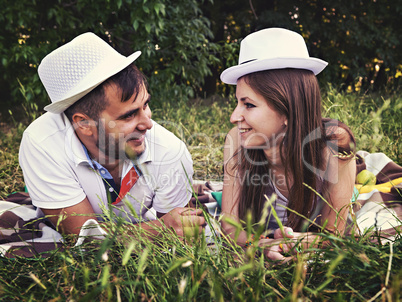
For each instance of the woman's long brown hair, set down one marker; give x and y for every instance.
(294, 93)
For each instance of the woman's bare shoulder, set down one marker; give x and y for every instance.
(232, 144)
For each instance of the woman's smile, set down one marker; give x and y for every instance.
(244, 130)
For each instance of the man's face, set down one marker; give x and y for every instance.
(122, 125)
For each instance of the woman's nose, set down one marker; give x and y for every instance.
(236, 116)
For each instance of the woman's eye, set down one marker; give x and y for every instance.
(248, 105)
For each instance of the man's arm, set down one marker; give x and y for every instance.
(69, 220)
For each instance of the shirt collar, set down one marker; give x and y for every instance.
(97, 166)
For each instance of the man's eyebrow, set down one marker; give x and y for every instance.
(127, 114)
(134, 111)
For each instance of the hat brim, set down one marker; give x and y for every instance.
(232, 74)
(100, 77)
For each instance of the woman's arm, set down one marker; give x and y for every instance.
(339, 178)
(231, 188)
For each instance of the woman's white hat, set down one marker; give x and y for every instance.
(272, 48)
(74, 69)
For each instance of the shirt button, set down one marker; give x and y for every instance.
(102, 171)
(111, 190)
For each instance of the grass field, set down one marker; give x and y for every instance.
(349, 269)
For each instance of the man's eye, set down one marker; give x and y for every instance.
(129, 115)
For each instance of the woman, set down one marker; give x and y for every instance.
(282, 145)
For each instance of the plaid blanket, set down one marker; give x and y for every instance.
(22, 234)
(376, 207)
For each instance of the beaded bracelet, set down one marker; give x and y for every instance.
(248, 243)
(270, 236)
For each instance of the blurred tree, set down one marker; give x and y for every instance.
(359, 39)
(187, 43)
(173, 36)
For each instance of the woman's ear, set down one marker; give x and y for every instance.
(83, 124)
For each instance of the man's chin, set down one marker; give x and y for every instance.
(134, 153)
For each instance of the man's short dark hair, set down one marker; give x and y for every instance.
(129, 81)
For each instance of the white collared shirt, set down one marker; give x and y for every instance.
(58, 174)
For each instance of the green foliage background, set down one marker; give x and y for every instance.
(359, 39)
(173, 36)
(187, 43)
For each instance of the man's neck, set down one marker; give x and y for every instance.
(114, 166)
(111, 164)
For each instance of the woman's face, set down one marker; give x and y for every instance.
(259, 125)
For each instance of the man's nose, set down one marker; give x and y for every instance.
(145, 122)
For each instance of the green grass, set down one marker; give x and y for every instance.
(350, 269)
(11, 179)
(376, 121)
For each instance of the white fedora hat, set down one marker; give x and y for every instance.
(272, 48)
(74, 69)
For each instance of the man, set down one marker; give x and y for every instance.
(97, 148)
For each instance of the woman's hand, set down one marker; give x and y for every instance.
(285, 242)
(285, 233)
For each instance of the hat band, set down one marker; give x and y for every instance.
(248, 61)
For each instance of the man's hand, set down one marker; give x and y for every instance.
(184, 220)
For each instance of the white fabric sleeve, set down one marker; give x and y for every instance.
(174, 188)
(51, 182)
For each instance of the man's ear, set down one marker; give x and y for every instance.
(83, 123)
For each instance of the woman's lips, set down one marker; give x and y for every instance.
(244, 130)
